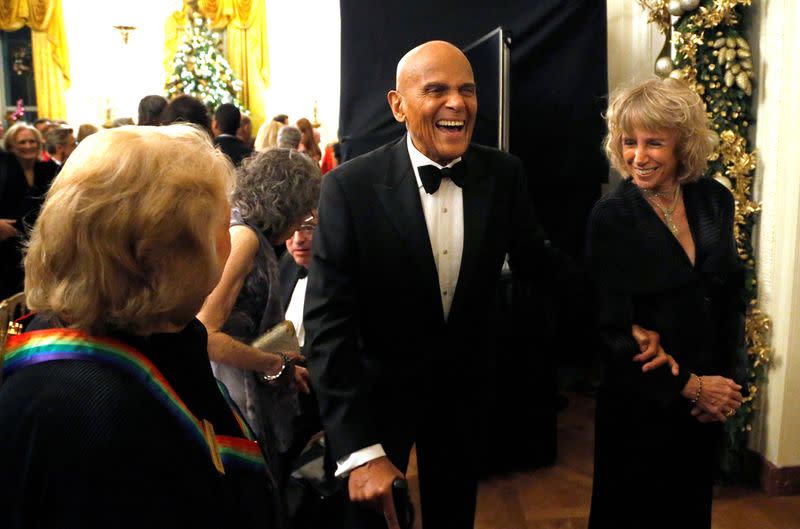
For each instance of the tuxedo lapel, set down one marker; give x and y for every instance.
(399, 197)
(477, 195)
(289, 273)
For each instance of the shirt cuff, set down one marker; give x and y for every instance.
(346, 464)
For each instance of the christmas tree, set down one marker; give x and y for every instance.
(199, 69)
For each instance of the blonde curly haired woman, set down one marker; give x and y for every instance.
(661, 252)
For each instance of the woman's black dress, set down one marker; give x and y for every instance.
(20, 202)
(653, 461)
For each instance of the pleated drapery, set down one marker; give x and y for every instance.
(49, 49)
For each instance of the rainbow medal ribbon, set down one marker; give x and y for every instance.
(36, 347)
(240, 452)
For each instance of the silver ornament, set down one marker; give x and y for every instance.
(664, 66)
(689, 5)
(675, 8)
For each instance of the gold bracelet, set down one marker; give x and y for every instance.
(699, 389)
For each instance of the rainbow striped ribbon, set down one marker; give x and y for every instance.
(36, 347)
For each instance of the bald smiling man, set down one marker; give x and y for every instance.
(405, 263)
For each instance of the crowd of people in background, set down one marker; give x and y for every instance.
(36, 151)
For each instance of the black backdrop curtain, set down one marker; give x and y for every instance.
(558, 88)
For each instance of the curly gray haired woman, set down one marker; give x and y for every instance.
(275, 192)
(274, 189)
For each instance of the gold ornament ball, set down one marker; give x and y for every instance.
(689, 5)
(674, 8)
(678, 74)
(664, 66)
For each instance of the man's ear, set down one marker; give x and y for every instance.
(396, 104)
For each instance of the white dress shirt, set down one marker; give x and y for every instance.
(444, 217)
(294, 312)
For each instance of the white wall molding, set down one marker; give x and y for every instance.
(775, 42)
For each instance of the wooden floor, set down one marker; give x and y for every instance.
(558, 497)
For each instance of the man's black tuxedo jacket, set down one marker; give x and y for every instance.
(381, 355)
(288, 274)
(234, 148)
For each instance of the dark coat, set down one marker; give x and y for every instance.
(380, 348)
(86, 444)
(233, 147)
(386, 365)
(647, 445)
(289, 273)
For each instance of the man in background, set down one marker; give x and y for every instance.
(59, 143)
(227, 120)
(289, 137)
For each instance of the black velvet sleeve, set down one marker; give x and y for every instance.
(734, 305)
(609, 240)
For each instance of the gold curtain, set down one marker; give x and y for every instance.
(49, 48)
(248, 54)
(173, 31)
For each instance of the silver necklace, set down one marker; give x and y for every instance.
(669, 219)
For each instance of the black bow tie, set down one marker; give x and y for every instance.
(302, 273)
(431, 176)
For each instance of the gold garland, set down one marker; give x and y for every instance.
(715, 60)
(657, 14)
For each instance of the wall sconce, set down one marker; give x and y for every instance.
(124, 31)
(314, 121)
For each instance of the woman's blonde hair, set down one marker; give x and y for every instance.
(661, 105)
(126, 239)
(267, 136)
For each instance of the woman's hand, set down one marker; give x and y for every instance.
(719, 397)
(299, 372)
